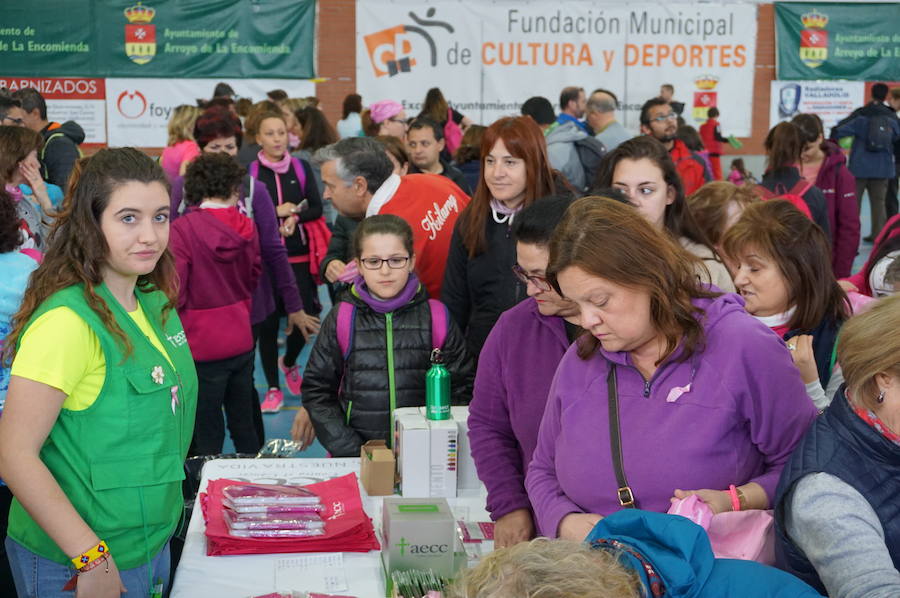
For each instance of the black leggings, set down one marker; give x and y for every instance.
(267, 330)
(7, 587)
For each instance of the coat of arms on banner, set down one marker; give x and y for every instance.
(814, 39)
(706, 97)
(140, 35)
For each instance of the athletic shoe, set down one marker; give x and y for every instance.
(292, 376)
(272, 402)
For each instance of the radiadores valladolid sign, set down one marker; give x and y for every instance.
(489, 57)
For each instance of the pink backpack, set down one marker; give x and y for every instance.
(794, 195)
(347, 318)
(452, 134)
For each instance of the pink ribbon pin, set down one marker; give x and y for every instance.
(174, 399)
(676, 392)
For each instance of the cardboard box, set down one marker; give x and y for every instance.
(377, 468)
(426, 453)
(418, 534)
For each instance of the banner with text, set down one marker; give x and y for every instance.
(831, 100)
(81, 100)
(160, 38)
(138, 110)
(857, 41)
(488, 58)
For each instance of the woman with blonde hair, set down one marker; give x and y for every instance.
(630, 554)
(665, 396)
(180, 147)
(836, 509)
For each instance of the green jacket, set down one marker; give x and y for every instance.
(120, 461)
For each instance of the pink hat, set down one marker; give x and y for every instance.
(385, 109)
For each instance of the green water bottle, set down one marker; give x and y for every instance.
(437, 389)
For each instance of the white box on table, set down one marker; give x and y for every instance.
(427, 454)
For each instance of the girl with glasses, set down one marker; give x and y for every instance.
(351, 390)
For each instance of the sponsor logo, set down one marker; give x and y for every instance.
(814, 39)
(435, 219)
(179, 339)
(140, 35)
(391, 51)
(422, 548)
(131, 104)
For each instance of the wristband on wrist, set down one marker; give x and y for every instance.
(100, 551)
(734, 493)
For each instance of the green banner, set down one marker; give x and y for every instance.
(159, 38)
(857, 41)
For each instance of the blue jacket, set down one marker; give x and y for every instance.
(863, 163)
(679, 551)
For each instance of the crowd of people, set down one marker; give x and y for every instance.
(627, 328)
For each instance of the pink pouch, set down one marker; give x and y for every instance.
(858, 301)
(745, 535)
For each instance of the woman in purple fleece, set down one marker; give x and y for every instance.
(508, 401)
(708, 399)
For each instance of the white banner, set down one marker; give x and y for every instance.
(831, 100)
(138, 110)
(489, 57)
(70, 98)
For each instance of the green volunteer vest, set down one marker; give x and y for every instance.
(121, 461)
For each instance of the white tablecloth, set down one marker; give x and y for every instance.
(200, 576)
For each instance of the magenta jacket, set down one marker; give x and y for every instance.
(515, 370)
(218, 267)
(839, 187)
(730, 414)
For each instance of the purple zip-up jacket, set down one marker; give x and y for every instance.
(839, 187)
(271, 251)
(515, 370)
(738, 422)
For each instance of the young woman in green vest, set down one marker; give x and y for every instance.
(102, 393)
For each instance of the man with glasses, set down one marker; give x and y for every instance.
(61, 141)
(11, 113)
(359, 181)
(661, 122)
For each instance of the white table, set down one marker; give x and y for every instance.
(243, 576)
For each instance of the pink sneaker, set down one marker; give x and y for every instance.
(272, 401)
(292, 376)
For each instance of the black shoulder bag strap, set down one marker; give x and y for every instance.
(626, 497)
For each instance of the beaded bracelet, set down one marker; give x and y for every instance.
(101, 550)
(735, 499)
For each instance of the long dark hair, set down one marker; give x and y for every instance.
(76, 246)
(352, 103)
(524, 140)
(317, 131)
(679, 220)
(778, 230)
(784, 146)
(435, 106)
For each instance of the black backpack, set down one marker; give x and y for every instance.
(880, 136)
(590, 154)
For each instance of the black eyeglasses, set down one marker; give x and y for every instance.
(539, 281)
(394, 263)
(15, 121)
(664, 117)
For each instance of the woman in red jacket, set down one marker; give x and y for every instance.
(824, 165)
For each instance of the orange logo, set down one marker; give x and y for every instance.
(391, 50)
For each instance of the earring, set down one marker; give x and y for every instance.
(880, 397)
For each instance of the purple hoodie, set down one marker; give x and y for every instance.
(271, 249)
(217, 258)
(745, 411)
(839, 187)
(515, 370)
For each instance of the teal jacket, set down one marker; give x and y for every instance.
(679, 551)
